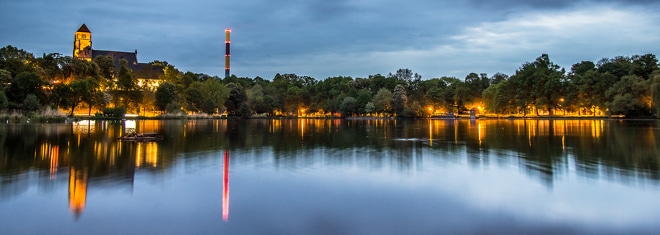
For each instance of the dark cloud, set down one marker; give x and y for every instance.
(316, 37)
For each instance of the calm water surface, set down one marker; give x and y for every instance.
(332, 177)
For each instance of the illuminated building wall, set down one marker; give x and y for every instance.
(82, 44)
(147, 75)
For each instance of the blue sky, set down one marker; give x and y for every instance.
(357, 38)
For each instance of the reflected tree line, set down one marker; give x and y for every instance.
(546, 148)
(624, 85)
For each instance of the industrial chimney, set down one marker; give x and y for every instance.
(227, 54)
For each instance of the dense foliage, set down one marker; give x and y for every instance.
(621, 85)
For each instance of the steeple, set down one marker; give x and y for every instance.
(82, 43)
(83, 29)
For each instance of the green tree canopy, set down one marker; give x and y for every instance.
(24, 84)
(165, 94)
(236, 98)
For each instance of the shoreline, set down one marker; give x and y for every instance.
(64, 119)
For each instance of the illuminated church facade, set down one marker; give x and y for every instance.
(147, 75)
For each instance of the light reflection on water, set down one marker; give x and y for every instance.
(330, 176)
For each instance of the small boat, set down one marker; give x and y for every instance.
(141, 137)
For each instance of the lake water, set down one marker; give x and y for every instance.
(332, 177)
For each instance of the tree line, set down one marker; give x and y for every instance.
(627, 85)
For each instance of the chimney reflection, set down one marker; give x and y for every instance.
(77, 190)
(225, 188)
(54, 160)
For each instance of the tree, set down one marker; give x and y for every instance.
(410, 80)
(61, 95)
(462, 95)
(244, 110)
(471, 89)
(435, 96)
(165, 94)
(99, 100)
(644, 65)
(171, 74)
(93, 96)
(293, 98)
(26, 83)
(348, 106)
(498, 97)
(655, 92)
(497, 78)
(216, 94)
(125, 79)
(4, 103)
(106, 69)
(236, 98)
(363, 97)
(194, 97)
(399, 99)
(406, 77)
(490, 99)
(333, 105)
(134, 99)
(31, 105)
(16, 60)
(539, 84)
(383, 100)
(369, 108)
(257, 100)
(49, 66)
(330, 92)
(173, 108)
(618, 66)
(378, 82)
(80, 91)
(415, 110)
(582, 87)
(5, 79)
(450, 91)
(630, 96)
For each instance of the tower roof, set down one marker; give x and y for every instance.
(83, 29)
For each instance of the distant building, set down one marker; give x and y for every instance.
(147, 75)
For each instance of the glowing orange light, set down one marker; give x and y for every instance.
(54, 160)
(77, 190)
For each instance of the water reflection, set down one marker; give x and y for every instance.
(546, 150)
(325, 167)
(84, 127)
(146, 154)
(77, 190)
(225, 187)
(627, 146)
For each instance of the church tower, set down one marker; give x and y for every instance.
(82, 44)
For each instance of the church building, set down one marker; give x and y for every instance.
(146, 74)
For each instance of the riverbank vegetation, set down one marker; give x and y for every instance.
(624, 85)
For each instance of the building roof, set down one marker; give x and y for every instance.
(143, 69)
(131, 57)
(83, 29)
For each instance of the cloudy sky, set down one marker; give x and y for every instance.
(357, 38)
